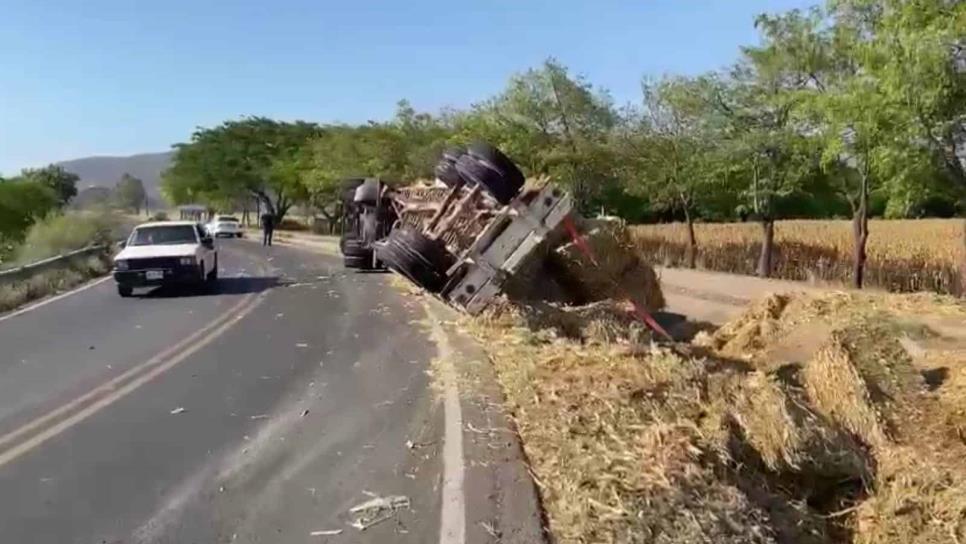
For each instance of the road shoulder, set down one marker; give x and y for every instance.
(501, 499)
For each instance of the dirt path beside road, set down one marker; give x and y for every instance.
(716, 297)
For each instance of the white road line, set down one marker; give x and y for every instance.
(230, 318)
(118, 380)
(452, 523)
(47, 301)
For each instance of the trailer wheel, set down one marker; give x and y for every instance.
(353, 247)
(422, 260)
(498, 159)
(488, 176)
(446, 167)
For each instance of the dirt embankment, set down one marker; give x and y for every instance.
(809, 418)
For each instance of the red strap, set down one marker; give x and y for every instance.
(585, 248)
(579, 241)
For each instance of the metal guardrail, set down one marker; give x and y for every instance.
(27, 270)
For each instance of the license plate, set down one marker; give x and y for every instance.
(154, 275)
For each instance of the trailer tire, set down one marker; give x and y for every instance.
(498, 159)
(446, 167)
(353, 247)
(422, 260)
(361, 262)
(491, 178)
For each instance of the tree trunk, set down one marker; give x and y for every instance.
(767, 247)
(692, 241)
(860, 235)
(962, 264)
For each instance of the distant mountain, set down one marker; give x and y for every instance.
(106, 171)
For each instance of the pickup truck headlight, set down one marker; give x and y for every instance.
(121, 265)
(187, 261)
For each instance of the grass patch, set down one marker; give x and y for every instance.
(43, 284)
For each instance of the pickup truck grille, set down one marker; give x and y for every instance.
(153, 263)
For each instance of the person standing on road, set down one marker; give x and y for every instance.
(268, 228)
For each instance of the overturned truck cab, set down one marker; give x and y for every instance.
(367, 216)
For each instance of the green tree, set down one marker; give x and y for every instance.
(668, 150)
(254, 156)
(916, 54)
(773, 156)
(551, 123)
(129, 193)
(23, 202)
(60, 181)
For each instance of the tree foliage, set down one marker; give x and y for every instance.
(23, 202)
(252, 156)
(129, 193)
(61, 182)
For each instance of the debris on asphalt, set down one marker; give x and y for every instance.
(279, 315)
(178, 410)
(377, 510)
(301, 345)
(304, 413)
(410, 444)
(259, 416)
(332, 532)
(488, 527)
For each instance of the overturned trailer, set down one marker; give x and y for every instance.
(467, 235)
(481, 230)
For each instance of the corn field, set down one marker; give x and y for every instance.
(903, 255)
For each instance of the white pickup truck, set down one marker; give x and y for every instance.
(165, 253)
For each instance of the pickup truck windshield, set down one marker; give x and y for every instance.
(172, 234)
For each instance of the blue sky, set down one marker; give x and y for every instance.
(102, 77)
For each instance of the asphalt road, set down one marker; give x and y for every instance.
(259, 412)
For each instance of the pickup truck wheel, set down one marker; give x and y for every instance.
(422, 260)
(125, 290)
(446, 167)
(504, 187)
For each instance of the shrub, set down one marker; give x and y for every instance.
(62, 233)
(292, 224)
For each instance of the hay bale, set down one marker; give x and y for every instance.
(749, 331)
(762, 424)
(862, 379)
(618, 274)
(603, 322)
